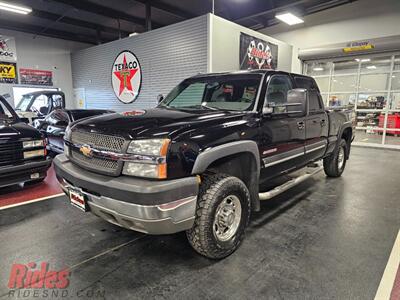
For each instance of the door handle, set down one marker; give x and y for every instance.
(323, 122)
(300, 125)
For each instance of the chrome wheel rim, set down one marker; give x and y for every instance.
(227, 218)
(341, 158)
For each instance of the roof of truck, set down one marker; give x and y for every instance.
(244, 72)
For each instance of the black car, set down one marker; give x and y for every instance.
(22, 149)
(53, 125)
(200, 160)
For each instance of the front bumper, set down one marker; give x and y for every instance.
(153, 207)
(21, 173)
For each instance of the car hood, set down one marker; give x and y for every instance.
(17, 130)
(155, 122)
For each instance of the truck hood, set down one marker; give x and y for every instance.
(156, 122)
(17, 130)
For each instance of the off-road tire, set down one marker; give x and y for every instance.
(331, 163)
(213, 190)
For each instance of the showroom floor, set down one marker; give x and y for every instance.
(327, 238)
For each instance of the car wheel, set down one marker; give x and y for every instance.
(222, 215)
(335, 164)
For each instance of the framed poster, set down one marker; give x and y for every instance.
(36, 77)
(8, 51)
(257, 54)
(8, 72)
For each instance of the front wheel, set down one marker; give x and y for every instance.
(335, 163)
(222, 215)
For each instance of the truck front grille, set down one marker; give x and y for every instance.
(100, 142)
(11, 152)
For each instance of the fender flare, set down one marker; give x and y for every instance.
(207, 157)
(340, 133)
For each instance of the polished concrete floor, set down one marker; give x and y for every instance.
(324, 239)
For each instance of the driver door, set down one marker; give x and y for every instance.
(282, 136)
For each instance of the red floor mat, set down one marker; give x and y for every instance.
(17, 194)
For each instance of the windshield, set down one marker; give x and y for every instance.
(227, 92)
(24, 103)
(6, 114)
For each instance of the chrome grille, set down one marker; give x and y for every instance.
(95, 163)
(98, 141)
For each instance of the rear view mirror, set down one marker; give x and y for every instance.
(297, 102)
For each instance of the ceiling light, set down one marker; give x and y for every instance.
(318, 69)
(15, 8)
(371, 67)
(289, 18)
(133, 34)
(363, 60)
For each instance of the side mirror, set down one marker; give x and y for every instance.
(160, 98)
(297, 102)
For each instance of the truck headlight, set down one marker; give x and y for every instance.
(150, 161)
(33, 144)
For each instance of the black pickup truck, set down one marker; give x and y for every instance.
(196, 162)
(22, 150)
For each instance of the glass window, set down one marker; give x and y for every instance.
(323, 83)
(317, 68)
(345, 66)
(226, 92)
(397, 63)
(373, 82)
(395, 101)
(371, 101)
(304, 82)
(338, 99)
(277, 89)
(39, 102)
(396, 81)
(345, 83)
(376, 64)
(314, 103)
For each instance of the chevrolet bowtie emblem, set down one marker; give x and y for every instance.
(86, 151)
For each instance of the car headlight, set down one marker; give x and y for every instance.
(149, 158)
(33, 144)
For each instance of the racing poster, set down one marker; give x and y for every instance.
(36, 77)
(257, 54)
(8, 72)
(8, 51)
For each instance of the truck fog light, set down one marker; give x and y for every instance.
(145, 170)
(34, 153)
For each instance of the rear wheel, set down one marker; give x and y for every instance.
(222, 215)
(335, 164)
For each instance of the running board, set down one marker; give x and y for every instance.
(297, 177)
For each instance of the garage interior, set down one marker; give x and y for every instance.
(325, 238)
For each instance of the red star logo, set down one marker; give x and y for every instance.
(125, 76)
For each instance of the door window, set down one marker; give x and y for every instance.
(277, 90)
(314, 102)
(40, 101)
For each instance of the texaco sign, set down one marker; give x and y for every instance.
(126, 77)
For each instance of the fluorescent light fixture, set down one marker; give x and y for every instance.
(15, 8)
(133, 34)
(289, 18)
(363, 59)
(317, 69)
(371, 67)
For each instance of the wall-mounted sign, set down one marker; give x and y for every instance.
(8, 51)
(358, 46)
(257, 54)
(126, 77)
(36, 77)
(8, 72)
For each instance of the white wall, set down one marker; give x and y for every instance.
(363, 19)
(44, 53)
(225, 46)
